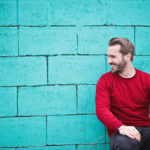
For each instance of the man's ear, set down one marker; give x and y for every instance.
(128, 57)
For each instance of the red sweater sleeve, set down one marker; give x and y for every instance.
(102, 99)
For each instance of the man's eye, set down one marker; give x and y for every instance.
(112, 56)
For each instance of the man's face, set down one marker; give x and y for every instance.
(116, 59)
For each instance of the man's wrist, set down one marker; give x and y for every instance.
(120, 127)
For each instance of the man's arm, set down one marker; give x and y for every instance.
(104, 114)
(102, 99)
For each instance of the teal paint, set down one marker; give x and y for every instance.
(127, 12)
(9, 41)
(47, 41)
(82, 12)
(8, 101)
(86, 99)
(26, 131)
(32, 12)
(142, 40)
(8, 12)
(22, 71)
(142, 63)
(99, 12)
(107, 137)
(75, 69)
(76, 129)
(47, 100)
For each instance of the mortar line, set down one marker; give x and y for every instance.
(47, 85)
(27, 116)
(54, 55)
(38, 146)
(63, 26)
(7, 26)
(76, 147)
(33, 26)
(104, 25)
(50, 145)
(23, 56)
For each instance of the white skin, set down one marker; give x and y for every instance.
(122, 65)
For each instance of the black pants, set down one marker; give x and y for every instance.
(122, 142)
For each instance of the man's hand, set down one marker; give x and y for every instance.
(130, 131)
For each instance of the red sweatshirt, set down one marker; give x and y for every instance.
(123, 101)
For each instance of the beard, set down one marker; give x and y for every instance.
(118, 68)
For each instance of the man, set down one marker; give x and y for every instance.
(123, 99)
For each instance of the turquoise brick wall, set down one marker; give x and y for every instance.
(52, 53)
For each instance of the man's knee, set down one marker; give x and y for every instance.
(122, 142)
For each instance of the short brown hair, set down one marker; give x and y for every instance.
(126, 45)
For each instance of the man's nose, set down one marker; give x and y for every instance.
(109, 61)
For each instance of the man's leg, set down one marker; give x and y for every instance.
(122, 142)
(145, 141)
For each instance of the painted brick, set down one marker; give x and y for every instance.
(22, 131)
(9, 42)
(142, 63)
(75, 69)
(46, 41)
(70, 147)
(107, 137)
(99, 12)
(127, 12)
(8, 12)
(142, 40)
(32, 12)
(72, 12)
(75, 129)
(86, 98)
(47, 100)
(8, 101)
(94, 40)
(94, 147)
(22, 71)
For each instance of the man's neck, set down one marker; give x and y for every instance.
(128, 71)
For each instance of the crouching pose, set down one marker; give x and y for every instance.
(123, 99)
